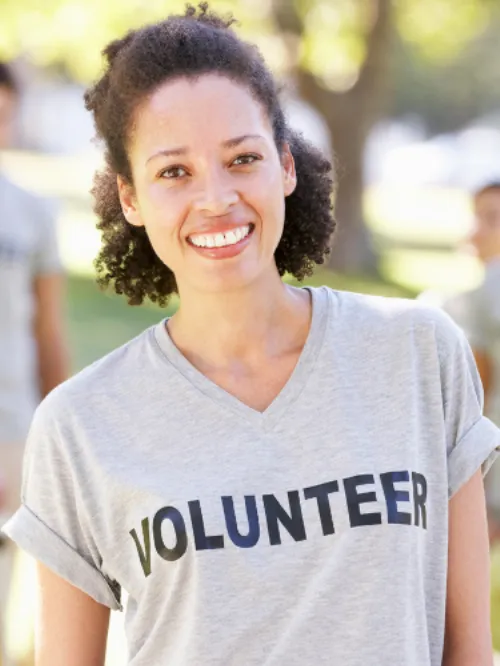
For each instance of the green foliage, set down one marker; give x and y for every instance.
(440, 29)
(334, 44)
(71, 33)
(448, 93)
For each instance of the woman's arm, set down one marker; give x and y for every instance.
(49, 331)
(468, 635)
(71, 628)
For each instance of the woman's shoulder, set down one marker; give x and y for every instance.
(389, 318)
(103, 380)
(386, 309)
(370, 326)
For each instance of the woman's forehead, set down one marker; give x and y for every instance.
(209, 107)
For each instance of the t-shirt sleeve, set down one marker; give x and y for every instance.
(472, 440)
(53, 523)
(46, 257)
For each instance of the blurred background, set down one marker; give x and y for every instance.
(405, 94)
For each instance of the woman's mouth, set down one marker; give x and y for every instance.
(221, 239)
(222, 244)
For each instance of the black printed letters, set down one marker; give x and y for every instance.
(403, 494)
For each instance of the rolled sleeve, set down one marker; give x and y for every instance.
(478, 449)
(55, 523)
(31, 534)
(472, 440)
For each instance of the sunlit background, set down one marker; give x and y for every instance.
(405, 94)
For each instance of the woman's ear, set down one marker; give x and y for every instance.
(289, 174)
(128, 202)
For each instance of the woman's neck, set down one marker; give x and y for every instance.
(262, 320)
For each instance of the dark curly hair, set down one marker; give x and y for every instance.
(198, 42)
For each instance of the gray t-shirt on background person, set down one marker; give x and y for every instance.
(483, 329)
(315, 532)
(28, 248)
(477, 312)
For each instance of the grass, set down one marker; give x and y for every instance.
(99, 322)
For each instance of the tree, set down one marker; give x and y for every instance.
(350, 116)
(360, 34)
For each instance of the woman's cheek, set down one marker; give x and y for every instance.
(164, 210)
(259, 188)
(163, 226)
(165, 245)
(159, 196)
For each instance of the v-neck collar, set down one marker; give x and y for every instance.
(289, 393)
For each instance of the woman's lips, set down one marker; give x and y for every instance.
(225, 251)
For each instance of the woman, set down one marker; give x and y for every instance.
(273, 475)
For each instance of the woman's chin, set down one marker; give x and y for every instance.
(224, 277)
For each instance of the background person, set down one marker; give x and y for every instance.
(478, 313)
(33, 358)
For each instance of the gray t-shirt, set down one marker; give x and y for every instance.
(28, 248)
(315, 532)
(481, 322)
(477, 312)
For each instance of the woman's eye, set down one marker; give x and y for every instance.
(173, 172)
(246, 159)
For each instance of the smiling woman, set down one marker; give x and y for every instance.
(200, 127)
(274, 475)
(228, 177)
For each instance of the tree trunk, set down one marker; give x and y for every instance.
(352, 250)
(350, 117)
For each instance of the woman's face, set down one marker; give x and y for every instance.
(209, 183)
(486, 234)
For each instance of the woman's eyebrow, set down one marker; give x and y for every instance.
(168, 153)
(232, 143)
(183, 150)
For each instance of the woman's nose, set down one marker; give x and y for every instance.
(216, 195)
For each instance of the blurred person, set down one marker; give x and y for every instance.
(478, 312)
(274, 475)
(33, 356)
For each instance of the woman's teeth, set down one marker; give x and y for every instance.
(221, 240)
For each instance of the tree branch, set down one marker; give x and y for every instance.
(287, 17)
(290, 24)
(376, 63)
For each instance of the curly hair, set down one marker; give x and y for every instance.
(189, 45)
